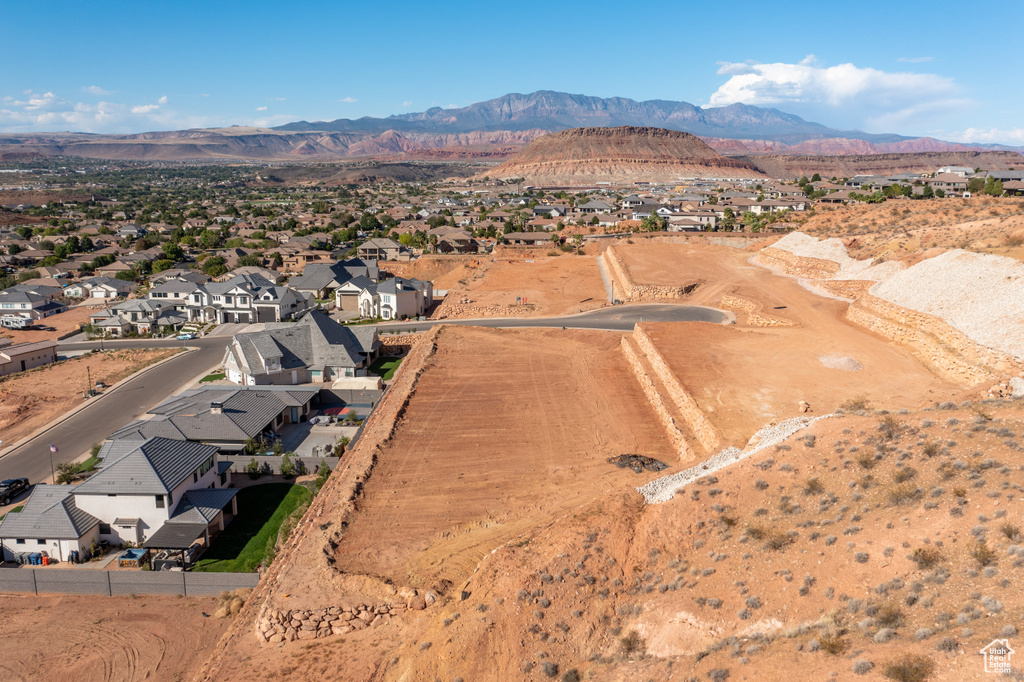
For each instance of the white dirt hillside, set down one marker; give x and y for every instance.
(805, 246)
(981, 295)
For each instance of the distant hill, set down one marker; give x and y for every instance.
(848, 165)
(621, 154)
(553, 111)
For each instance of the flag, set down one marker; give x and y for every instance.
(53, 448)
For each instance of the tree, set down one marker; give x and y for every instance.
(287, 467)
(215, 266)
(173, 251)
(975, 185)
(729, 218)
(993, 187)
(209, 239)
(928, 192)
(65, 473)
(940, 193)
(162, 264)
(254, 260)
(14, 249)
(369, 223)
(405, 239)
(128, 275)
(815, 178)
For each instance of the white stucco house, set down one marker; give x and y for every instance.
(145, 490)
(394, 299)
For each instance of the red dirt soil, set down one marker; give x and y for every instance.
(106, 638)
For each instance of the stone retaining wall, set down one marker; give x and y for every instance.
(687, 406)
(925, 346)
(399, 343)
(675, 436)
(975, 353)
(321, 528)
(797, 266)
(851, 289)
(626, 289)
(286, 626)
(750, 309)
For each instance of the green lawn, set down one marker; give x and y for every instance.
(13, 511)
(216, 376)
(261, 511)
(385, 367)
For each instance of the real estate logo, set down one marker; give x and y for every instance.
(997, 656)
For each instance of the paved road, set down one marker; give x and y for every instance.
(132, 399)
(109, 411)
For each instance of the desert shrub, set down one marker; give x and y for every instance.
(932, 449)
(855, 404)
(983, 554)
(633, 643)
(904, 494)
(862, 666)
(777, 540)
(755, 532)
(1010, 530)
(230, 603)
(866, 461)
(926, 557)
(833, 643)
(718, 674)
(550, 669)
(904, 474)
(571, 675)
(909, 668)
(889, 615)
(813, 486)
(287, 467)
(947, 644)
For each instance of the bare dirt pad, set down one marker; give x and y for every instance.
(744, 378)
(29, 400)
(106, 638)
(506, 430)
(62, 323)
(550, 285)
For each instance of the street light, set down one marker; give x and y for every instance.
(53, 476)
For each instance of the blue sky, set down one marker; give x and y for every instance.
(943, 69)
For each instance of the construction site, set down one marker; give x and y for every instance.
(827, 482)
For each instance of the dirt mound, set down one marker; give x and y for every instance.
(585, 155)
(638, 463)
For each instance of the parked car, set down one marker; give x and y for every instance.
(11, 488)
(186, 336)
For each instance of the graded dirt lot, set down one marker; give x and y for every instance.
(62, 323)
(30, 400)
(106, 638)
(549, 285)
(506, 430)
(444, 271)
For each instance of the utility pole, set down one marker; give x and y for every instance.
(88, 380)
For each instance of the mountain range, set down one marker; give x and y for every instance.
(491, 130)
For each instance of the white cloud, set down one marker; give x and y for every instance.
(760, 84)
(162, 100)
(47, 111)
(261, 108)
(1008, 136)
(843, 94)
(278, 99)
(407, 103)
(96, 90)
(915, 60)
(348, 100)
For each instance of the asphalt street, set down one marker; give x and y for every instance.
(115, 408)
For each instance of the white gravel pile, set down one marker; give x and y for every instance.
(1017, 387)
(806, 246)
(847, 364)
(663, 489)
(979, 294)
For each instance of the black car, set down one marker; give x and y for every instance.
(11, 488)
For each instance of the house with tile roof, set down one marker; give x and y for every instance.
(395, 299)
(151, 485)
(222, 416)
(315, 349)
(246, 299)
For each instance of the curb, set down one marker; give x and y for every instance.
(67, 415)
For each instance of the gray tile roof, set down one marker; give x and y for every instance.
(155, 467)
(245, 412)
(316, 341)
(201, 505)
(50, 513)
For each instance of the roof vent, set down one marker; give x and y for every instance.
(216, 408)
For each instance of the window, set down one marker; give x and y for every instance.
(159, 501)
(111, 494)
(20, 541)
(195, 476)
(41, 541)
(104, 529)
(207, 465)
